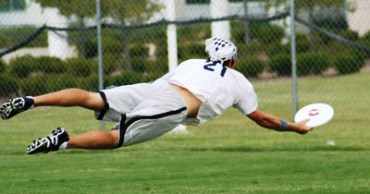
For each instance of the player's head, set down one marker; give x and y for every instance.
(221, 50)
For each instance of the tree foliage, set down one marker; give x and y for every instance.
(306, 4)
(132, 11)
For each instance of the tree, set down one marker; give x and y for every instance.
(122, 12)
(130, 11)
(246, 22)
(309, 5)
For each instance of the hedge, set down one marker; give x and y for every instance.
(281, 64)
(348, 62)
(81, 67)
(9, 85)
(250, 67)
(312, 63)
(2, 66)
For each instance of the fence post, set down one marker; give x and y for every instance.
(293, 52)
(220, 29)
(174, 9)
(294, 59)
(100, 51)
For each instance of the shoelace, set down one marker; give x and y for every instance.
(54, 136)
(13, 104)
(51, 141)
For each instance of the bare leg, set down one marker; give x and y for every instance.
(71, 97)
(58, 139)
(95, 139)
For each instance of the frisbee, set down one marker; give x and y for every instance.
(317, 113)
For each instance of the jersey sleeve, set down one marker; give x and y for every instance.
(168, 75)
(247, 98)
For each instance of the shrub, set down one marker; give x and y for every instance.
(251, 49)
(281, 64)
(238, 31)
(302, 43)
(311, 63)
(365, 40)
(88, 48)
(348, 62)
(90, 83)
(139, 64)
(250, 67)
(151, 76)
(112, 45)
(157, 66)
(277, 49)
(194, 50)
(34, 85)
(81, 67)
(267, 33)
(37, 85)
(59, 82)
(9, 85)
(2, 66)
(161, 50)
(350, 35)
(197, 32)
(111, 63)
(22, 67)
(125, 78)
(139, 51)
(50, 65)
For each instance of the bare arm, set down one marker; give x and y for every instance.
(272, 122)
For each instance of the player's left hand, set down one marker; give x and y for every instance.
(301, 127)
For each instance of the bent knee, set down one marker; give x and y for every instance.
(95, 101)
(115, 138)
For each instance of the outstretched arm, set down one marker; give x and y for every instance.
(272, 122)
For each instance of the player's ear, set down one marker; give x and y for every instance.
(230, 63)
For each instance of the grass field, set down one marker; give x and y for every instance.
(228, 155)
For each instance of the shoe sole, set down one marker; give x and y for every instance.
(42, 147)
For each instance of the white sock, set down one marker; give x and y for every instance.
(63, 145)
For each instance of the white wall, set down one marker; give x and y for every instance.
(359, 16)
(35, 15)
(32, 15)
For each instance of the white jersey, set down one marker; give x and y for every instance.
(217, 86)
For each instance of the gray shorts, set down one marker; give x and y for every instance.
(144, 111)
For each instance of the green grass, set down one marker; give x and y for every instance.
(228, 155)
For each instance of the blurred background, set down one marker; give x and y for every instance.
(48, 45)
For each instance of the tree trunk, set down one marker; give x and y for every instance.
(126, 52)
(247, 37)
(82, 39)
(310, 20)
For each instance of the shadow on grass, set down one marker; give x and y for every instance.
(281, 149)
(231, 149)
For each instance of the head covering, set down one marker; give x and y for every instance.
(220, 50)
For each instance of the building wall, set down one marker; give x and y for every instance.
(32, 15)
(37, 16)
(359, 16)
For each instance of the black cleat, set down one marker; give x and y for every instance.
(48, 143)
(14, 106)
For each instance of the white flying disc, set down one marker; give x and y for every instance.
(318, 113)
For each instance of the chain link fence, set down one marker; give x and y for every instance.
(57, 41)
